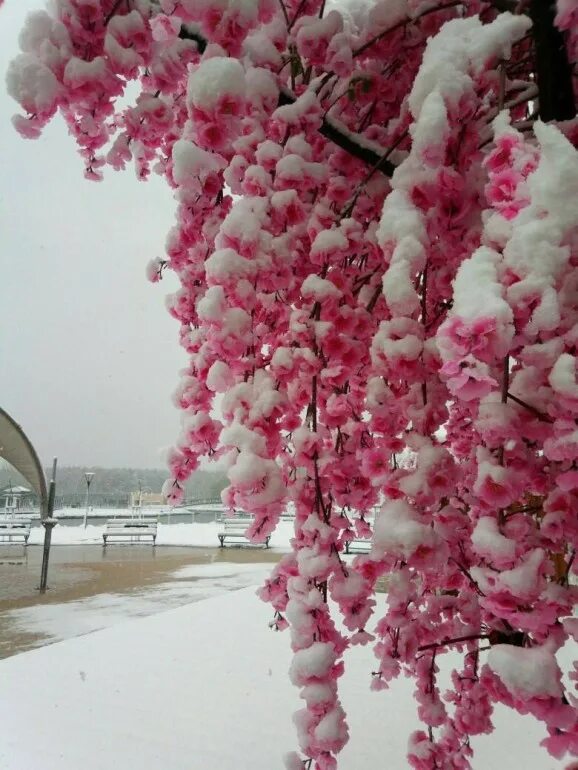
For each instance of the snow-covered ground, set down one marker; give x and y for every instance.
(192, 534)
(201, 687)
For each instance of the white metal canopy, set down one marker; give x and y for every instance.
(16, 449)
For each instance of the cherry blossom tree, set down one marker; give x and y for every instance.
(376, 238)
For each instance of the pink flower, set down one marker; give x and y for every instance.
(165, 28)
(500, 159)
(469, 379)
(502, 187)
(477, 337)
(375, 463)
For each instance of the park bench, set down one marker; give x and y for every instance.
(361, 544)
(358, 545)
(13, 530)
(236, 529)
(131, 529)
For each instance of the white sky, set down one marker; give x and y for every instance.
(88, 354)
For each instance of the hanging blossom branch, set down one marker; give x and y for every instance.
(354, 144)
(340, 346)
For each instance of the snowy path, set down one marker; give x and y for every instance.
(202, 687)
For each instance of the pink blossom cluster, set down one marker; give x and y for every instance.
(377, 248)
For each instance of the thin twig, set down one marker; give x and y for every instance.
(112, 11)
(376, 167)
(400, 24)
(447, 642)
(464, 571)
(502, 87)
(284, 10)
(536, 412)
(375, 296)
(505, 387)
(297, 14)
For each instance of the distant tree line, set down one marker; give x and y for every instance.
(113, 486)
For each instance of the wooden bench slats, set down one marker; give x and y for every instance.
(15, 525)
(135, 529)
(131, 530)
(119, 524)
(237, 529)
(15, 528)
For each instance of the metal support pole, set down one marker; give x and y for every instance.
(48, 523)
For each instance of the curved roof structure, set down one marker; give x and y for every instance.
(15, 448)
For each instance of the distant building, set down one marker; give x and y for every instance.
(15, 499)
(146, 499)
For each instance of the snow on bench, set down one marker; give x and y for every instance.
(135, 529)
(236, 529)
(14, 528)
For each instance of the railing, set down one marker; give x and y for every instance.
(120, 501)
(97, 500)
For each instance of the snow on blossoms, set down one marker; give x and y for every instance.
(376, 239)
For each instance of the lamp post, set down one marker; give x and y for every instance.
(141, 491)
(88, 476)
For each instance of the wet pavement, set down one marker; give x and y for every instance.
(85, 573)
(90, 587)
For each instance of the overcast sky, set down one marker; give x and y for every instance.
(88, 354)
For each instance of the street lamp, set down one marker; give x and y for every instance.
(88, 476)
(141, 491)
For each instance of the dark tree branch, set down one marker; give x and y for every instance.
(553, 70)
(504, 5)
(350, 142)
(188, 34)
